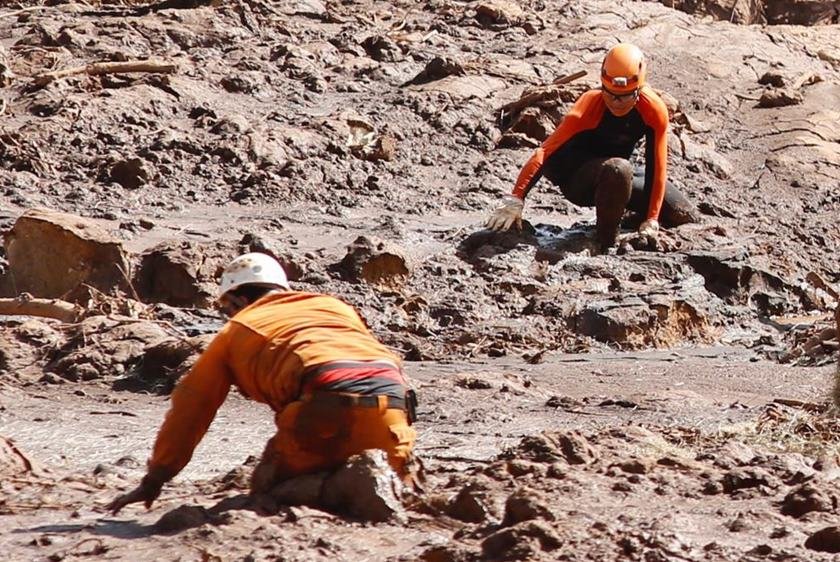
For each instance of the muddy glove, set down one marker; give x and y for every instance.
(147, 491)
(507, 214)
(649, 228)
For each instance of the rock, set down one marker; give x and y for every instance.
(525, 505)
(807, 498)
(180, 273)
(294, 266)
(374, 261)
(12, 461)
(449, 553)
(366, 487)
(131, 174)
(744, 478)
(521, 542)
(102, 347)
(382, 49)
(772, 78)
(570, 446)
(54, 255)
(825, 540)
(473, 504)
(167, 361)
(499, 14)
(531, 122)
(436, 69)
(779, 98)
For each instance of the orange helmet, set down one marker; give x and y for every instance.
(623, 69)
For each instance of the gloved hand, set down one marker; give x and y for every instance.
(649, 228)
(507, 214)
(148, 491)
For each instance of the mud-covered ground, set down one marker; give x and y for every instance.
(622, 405)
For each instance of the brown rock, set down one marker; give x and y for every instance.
(807, 498)
(473, 504)
(499, 14)
(825, 540)
(525, 505)
(54, 255)
(521, 542)
(131, 174)
(180, 273)
(366, 487)
(743, 478)
(772, 78)
(779, 98)
(373, 261)
(449, 554)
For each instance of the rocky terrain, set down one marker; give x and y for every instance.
(670, 401)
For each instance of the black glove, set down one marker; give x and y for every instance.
(148, 491)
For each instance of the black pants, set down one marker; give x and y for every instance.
(609, 185)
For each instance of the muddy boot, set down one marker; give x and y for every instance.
(613, 187)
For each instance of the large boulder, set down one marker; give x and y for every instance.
(58, 255)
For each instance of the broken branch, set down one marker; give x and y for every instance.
(540, 93)
(45, 308)
(98, 68)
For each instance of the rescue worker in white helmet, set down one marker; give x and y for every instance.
(588, 155)
(334, 389)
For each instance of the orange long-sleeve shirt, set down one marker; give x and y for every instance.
(263, 350)
(591, 127)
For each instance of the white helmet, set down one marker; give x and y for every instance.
(254, 269)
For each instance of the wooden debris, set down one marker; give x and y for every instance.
(99, 68)
(26, 305)
(532, 96)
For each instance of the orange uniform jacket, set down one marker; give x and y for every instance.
(590, 127)
(263, 350)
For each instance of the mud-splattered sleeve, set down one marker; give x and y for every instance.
(655, 115)
(194, 403)
(584, 115)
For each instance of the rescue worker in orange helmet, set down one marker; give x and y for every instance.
(335, 390)
(588, 154)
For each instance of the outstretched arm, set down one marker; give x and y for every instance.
(195, 401)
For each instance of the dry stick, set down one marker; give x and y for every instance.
(97, 68)
(46, 308)
(22, 10)
(534, 97)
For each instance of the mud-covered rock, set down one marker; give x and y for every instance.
(103, 348)
(182, 518)
(56, 255)
(807, 498)
(747, 478)
(825, 540)
(474, 503)
(374, 261)
(450, 553)
(132, 173)
(366, 487)
(181, 273)
(521, 542)
(570, 446)
(779, 98)
(302, 490)
(525, 505)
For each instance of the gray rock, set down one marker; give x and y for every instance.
(366, 487)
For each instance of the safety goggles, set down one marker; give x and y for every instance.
(623, 98)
